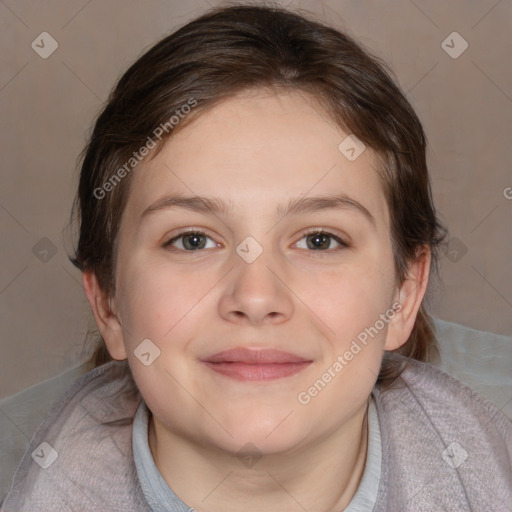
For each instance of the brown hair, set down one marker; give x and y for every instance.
(232, 49)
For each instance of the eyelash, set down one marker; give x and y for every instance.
(318, 231)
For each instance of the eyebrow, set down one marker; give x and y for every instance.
(295, 206)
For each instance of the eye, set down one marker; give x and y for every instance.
(319, 240)
(191, 240)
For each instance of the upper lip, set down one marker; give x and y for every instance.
(254, 356)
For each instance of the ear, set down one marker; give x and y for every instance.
(409, 296)
(106, 319)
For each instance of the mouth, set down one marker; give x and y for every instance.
(256, 365)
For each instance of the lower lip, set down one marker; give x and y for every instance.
(252, 372)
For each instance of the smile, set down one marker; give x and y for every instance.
(256, 365)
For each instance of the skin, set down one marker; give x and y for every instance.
(257, 150)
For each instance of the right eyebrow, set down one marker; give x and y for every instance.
(201, 204)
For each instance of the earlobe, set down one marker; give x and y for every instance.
(106, 319)
(410, 296)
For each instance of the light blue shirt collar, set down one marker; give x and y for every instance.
(161, 498)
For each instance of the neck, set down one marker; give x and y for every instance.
(323, 476)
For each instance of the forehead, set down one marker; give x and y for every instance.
(257, 149)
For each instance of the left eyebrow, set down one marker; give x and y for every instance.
(294, 206)
(314, 204)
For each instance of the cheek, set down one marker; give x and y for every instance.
(159, 304)
(349, 298)
(165, 303)
(153, 300)
(352, 306)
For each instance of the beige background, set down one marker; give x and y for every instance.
(48, 105)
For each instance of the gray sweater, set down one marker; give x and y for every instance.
(444, 448)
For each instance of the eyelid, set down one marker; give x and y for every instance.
(189, 231)
(341, 240)
(320, 229)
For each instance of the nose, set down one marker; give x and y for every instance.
(256, 293)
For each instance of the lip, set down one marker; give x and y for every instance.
(256, 364)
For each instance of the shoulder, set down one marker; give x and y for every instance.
(81, 455)
(444, 442)
(426, 390)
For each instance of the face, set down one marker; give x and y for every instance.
(254, 301)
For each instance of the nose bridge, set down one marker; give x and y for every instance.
(253, 262)
(256, 290)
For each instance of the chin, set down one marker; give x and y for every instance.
(267, 436)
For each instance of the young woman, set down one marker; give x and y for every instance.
(257, 233)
